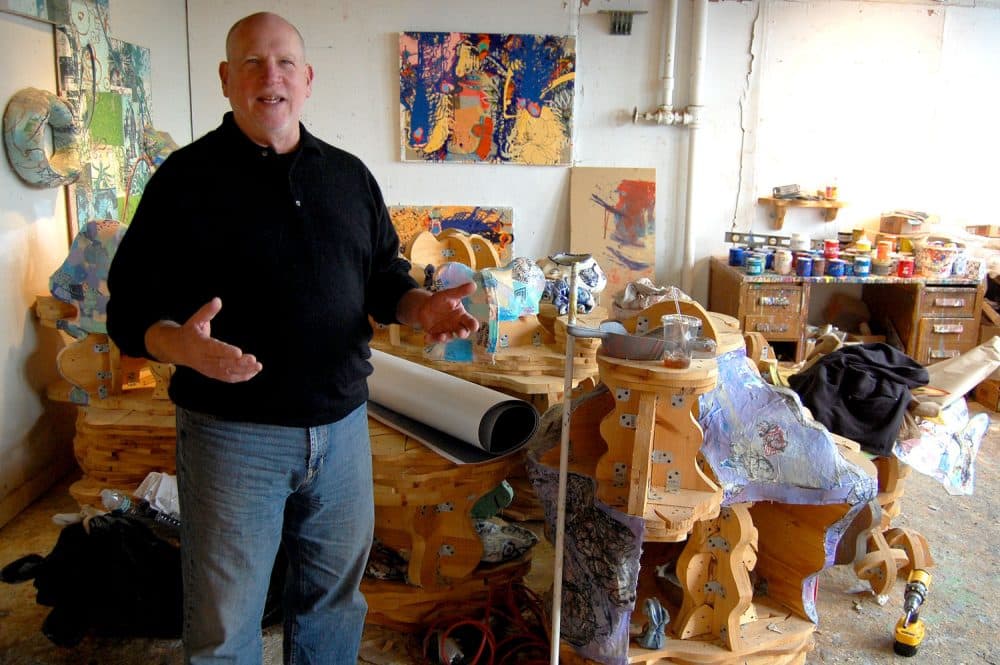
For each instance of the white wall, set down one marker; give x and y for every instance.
(891, 99)
(35, 435)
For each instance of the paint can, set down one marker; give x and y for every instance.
(831, 249)
(783, 262)
(881, 268)
(819, 266)
(803, 265)
(862, 265)
(737, 256)
(905, 266)
(800, 242)
(835, 267)
(882, 250)
(755, 265)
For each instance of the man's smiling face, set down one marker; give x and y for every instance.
(267, 80)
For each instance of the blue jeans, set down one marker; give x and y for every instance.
(244, 488)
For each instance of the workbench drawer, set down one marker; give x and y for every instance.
(945, 338)
(948, 301)
(771, 299)
(775, 327)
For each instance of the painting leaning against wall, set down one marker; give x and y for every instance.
(486, 98)
(612, 217)
(495, 224)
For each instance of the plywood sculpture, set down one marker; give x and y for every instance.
(675, 448)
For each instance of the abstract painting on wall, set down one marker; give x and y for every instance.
(53, 11)
(612, 217)
(486, 98)
(495, 224)
(106, 81)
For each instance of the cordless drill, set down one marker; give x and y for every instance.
(910, 629)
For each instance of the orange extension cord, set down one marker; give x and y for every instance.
(511, 626)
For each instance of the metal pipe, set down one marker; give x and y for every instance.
(699, 29)
(668, 60)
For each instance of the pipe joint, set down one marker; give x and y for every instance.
(662, 116)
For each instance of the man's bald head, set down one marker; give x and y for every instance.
(259, 17)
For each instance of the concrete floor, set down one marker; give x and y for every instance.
(961, 612)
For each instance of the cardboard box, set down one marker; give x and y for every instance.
(987, 332)
(988, 394)
(900, 224)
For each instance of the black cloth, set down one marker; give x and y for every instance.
(861, 391)
(117, 579)
(300, 249)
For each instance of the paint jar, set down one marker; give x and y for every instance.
(882, 268)
(783, 262)
(819, 266)
(676, 338)
(835, 267)
(755, 265)
(737, 256)
(768, 260)
(831, 249)
(882, 250)
(800, 242)
(804, 265)
(905, 266)
(862, 265)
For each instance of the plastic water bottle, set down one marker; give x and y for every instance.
(123, 504)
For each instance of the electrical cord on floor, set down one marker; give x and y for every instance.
(510, 625)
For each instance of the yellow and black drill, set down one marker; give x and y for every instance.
(910, 629)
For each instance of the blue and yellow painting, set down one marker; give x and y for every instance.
(487, 98)
(495, 224)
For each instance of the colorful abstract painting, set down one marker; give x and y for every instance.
(53, 11)
(495, 224)
(612, 218)
(488, 98)
(106, 81)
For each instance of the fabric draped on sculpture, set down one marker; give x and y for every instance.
(761, 448)
(601, 554)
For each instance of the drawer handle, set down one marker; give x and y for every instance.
(939, 355)
(774, 301)
(949, 302)
(769, 328)
(948, 328)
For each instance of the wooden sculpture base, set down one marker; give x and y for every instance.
(409, 608)
(776, 637)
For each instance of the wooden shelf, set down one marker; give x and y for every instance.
(830, 208)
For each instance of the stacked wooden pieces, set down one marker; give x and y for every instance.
(422, 511)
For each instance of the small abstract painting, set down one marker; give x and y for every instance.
(612, 218)
(487, 98)
(495, 224)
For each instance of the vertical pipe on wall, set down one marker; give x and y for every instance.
(668, 61)
(699, 30)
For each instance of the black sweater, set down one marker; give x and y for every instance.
(300, 249)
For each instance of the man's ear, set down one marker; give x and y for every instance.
(224, 77)
(309, 80)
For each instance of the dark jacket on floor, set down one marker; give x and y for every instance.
(861, 391)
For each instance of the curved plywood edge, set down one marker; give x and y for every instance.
(700, 377)
(428, 249)
(653, 313)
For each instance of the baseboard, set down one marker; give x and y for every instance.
(25, 494)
